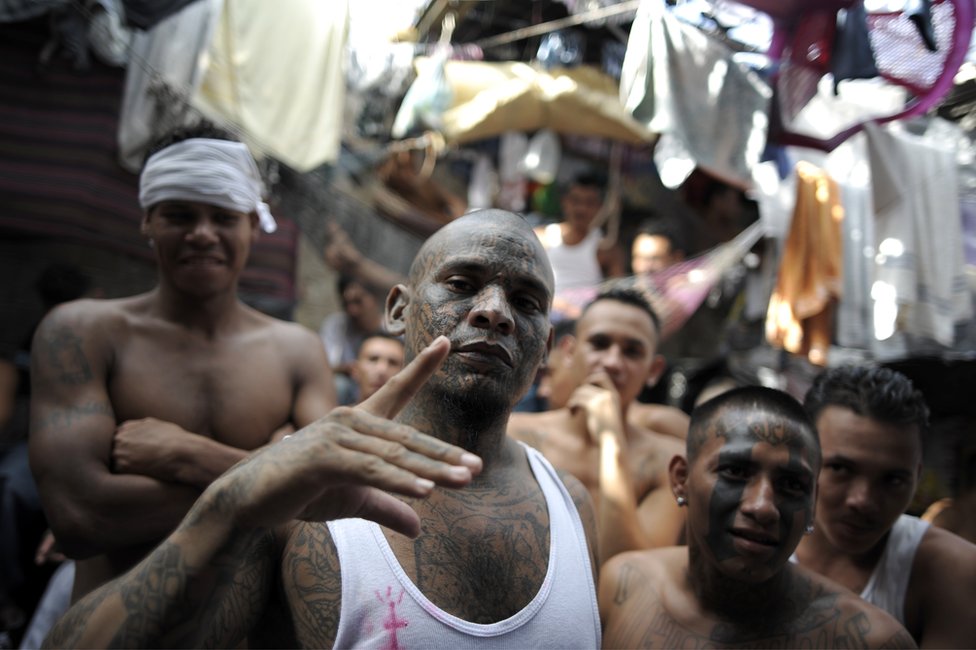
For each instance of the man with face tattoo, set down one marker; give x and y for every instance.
(748, 481)
(482, 546)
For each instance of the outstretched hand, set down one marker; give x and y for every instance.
(344, 465)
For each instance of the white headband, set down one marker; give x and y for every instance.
(218, 172)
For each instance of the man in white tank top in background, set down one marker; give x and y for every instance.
(484, 546)
(871, 421)
(577, 250)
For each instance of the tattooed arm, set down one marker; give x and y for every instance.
(90, 509)
(202, 587)
(584, 505)
(206, 582)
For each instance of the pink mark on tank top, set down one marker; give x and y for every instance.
(392, 622)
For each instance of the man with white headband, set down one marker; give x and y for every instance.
(141, 402)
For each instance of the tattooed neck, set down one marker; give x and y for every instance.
(478, 429)
(755, 604)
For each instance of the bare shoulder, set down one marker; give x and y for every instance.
(653, 451)
(660, 561)
(633, 572)
(293, 341)
(942, 590)
(660, 418)
(631, 589)
(534, 428)
(96, 317)
(943, 556)
(834, 616)
(76, 341)
(286, 332)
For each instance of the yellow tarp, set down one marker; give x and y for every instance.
(492, 98)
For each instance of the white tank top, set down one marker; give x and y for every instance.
(889, 582)
(382, 608)
(573, 267)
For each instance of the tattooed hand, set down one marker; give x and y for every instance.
(341, 465)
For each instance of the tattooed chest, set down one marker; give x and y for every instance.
(485, 569)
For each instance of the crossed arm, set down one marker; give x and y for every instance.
(89, 508)
(106, 487)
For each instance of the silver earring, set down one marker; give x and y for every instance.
(808, 530)
(682, 501)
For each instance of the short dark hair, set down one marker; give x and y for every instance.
(628, 296)
(379, 334)
(588, 179)
(870, 391)
(202, 129)
(756, 398)
(345, 281)
(657, 227)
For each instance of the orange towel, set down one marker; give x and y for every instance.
(801, 308)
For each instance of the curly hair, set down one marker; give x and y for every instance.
(870, 391)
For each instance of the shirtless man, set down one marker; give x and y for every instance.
(749, 483)
(139, 403)
(625, 467)
(871, 421)
(560, 378)
(500, 561)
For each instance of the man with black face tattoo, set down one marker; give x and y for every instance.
(485, 545)
(749, 483)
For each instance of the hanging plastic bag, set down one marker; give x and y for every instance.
(427, 98)
(541, 161)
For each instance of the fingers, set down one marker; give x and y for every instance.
(601, 379)
(388, 400)
(390, 512)
(405, 448)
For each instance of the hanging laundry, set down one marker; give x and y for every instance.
(852, 56)
(920, 284)
(215, 59)
(678, 81)
(802, 306)
(920, 13)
